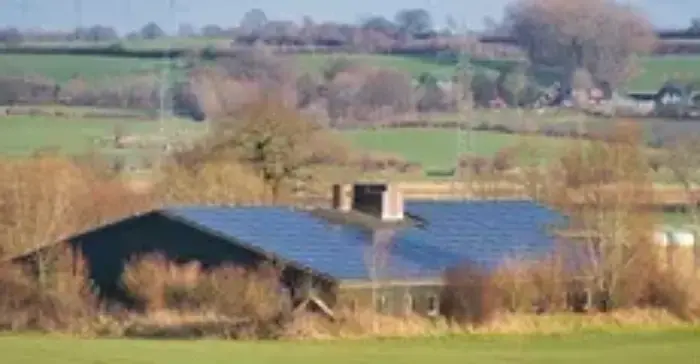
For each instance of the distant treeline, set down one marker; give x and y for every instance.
(211, 53)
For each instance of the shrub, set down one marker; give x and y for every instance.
(60, 298)
(470, 296)
(504, 159)
(476, 165)
(532, 286)
(233, 292)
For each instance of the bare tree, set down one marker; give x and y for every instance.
(684, 162)
(377, 256)
(274, 139)
(386, 89)
(604, 186)
(601, 36)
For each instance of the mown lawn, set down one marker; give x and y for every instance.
(639, 348)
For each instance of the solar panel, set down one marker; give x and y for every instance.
(480, 232)
(293, 235)
(486, 232)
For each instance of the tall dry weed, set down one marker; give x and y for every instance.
(158, 284)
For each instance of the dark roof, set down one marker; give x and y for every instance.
(450, 233)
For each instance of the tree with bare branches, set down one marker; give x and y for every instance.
(604, 186)
(601, 36)
(273, 140)
(684, 162)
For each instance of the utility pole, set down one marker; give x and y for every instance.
(463, 108)
(164, 86)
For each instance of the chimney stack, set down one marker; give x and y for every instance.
(392, 204)
(384, 201)
(342, 197)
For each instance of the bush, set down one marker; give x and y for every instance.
(60, 298)
(504, 159)
(532, 286)
(470, 296)
(158, 284)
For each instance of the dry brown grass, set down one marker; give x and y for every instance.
(563, 323)
(364, 324)
(159, 284)
(368, 324)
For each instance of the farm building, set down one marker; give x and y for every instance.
(370, 248)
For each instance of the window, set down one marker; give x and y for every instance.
(671, 97)
(433, 305)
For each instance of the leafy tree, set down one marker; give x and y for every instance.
(414, 21)
(484, 89)
(253, 21)
(186, 30)
(380, 24)
(430, 96)
(152, 31)
(512, 84)
(10, 37)
(695, 26)
(96, 33)
(211, 31)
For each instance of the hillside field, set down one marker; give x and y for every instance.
(23, 135)
(602, 348)
(653, 71)
(437, 149)
(62, 68)
(433, 148)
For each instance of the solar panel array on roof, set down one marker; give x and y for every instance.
(292, 235)
(456, 232)
(485, 232)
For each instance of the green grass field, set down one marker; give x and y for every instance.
(412, 65)
(62, 68)
(653, 70)
(638, 348)
(23, 135)
(161, 43)
(437, 149)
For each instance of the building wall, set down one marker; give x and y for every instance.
(394, 299)
(108, 250)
